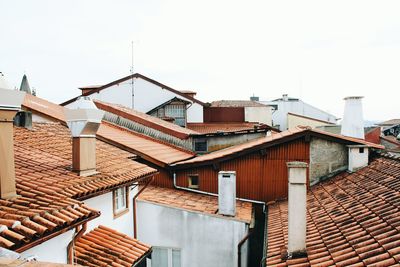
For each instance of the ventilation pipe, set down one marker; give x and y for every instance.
(10, 104)
(297, 208)
(353, 122)
(84, 119)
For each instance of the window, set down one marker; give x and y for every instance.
(165, 257)
(200, 145)
(120, 204)
(193, 181)
(361, 150)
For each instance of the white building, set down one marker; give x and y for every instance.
(286, 105)
(148, 96)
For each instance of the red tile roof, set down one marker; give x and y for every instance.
(352, 220)
(137, 75)
(104, 246)
(149, 149)
(193, 202)
(211, 128)
(274, 139)
(146, 120)
(48, 190)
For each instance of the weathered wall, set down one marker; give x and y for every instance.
(258, 114)
(219, 142)
(326, 157)
(294, 121)
(204, 240)
(223, 114)
(53, 250)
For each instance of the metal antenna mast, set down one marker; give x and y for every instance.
(132, 81)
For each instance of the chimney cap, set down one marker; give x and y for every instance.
(353, 97)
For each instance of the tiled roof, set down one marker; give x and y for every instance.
(106, 247)
(146, 120)
(236, 103)
(390, 122)
(44, 107)
(194, 202)
(154, 151)
(273, 139)
(352, 220)
(211, 128)
(48, 189)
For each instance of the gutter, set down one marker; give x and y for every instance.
(70, 247)
(134, 205)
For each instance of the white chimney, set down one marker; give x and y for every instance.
(10, 104)
(358, 157)
(227, 193)
(84, 119)
(353, 122)
(297, 209)
(285, 97)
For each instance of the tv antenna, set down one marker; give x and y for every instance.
(132, 79)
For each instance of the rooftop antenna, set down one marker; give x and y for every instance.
(132, 81)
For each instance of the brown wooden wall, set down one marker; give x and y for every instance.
(263, 178)
(163, 179)
(223, 114)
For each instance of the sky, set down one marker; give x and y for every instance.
(319, 51)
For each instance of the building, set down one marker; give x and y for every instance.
(289, 111)
(352, 220)
(146, 95)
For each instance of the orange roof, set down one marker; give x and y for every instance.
(211, 128)
(154, 151)
(146, 120)
(44, 107)
(193, 202)
(274, 139)
(352, 220)
(48, 189)
(104, 246)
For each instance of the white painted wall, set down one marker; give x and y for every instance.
(146, 97)
(357, 160)
(279, 116)
(104, 203)
(258, 114)
(204, 240)
(294, 121)
(53, 250)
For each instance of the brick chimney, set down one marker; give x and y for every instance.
(297, 209)
(84, 119)
(353, 122)
(10, 104)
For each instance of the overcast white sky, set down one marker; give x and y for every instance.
(320, 51)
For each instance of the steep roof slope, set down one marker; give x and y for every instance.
(352, 220)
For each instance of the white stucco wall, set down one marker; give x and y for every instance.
(204, 240)
(146, 97)
(258, 114)
(53, 250)
(357, 159)
(104, 203)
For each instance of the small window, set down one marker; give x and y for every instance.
(361, 150)
(200, 145)
(165, 257)
(194, 181)
(120, 196)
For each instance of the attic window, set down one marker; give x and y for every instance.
(200, 145)
(361, 150)
(193, 181)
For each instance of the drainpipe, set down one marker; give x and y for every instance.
(240, 244)
(134, 204)
(78, 233)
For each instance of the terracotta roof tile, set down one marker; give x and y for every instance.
(48, 189)
(44, 107)
(352, 219)
(193, 202)
(104, 246)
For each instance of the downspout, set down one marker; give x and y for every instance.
(78, 234)
(239, 247)
(134, 205)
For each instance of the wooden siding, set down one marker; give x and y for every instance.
(163, 179)
(258, 177)
(223, 114)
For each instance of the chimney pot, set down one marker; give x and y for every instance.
(353, 122)
(297, 208)
(84, 119)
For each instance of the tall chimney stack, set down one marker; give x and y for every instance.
(297, 209)
(353, 122)
(84, 119)
(10, 104)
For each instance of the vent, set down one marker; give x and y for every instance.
(227, 193)
(23, 119)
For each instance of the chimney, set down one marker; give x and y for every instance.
(84, 119)
(10, 104)
(254, 98)
(297, 208)
(227, 193)
(358, 157)
(285, 97)
(353, 122)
